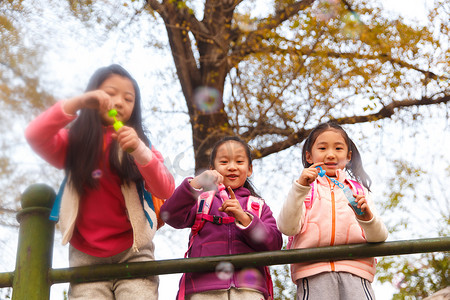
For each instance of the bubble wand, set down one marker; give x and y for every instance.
(117, 124)
(222, 193)
(347, 191)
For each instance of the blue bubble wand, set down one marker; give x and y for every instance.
(347, 191)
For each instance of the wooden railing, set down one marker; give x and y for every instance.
(33, 275)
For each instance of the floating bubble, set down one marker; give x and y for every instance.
(258, 235)
(326, 9)
(207, 99)
(250, 278)
(351, 25)
(96, 174)
(165, 215)
(224, 270)
(207, 182)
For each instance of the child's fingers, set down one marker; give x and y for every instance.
(308, 176)
(127, 138)
(216, 177)
(360, 199)
(231, 192)
(362, 204)
(315, 165)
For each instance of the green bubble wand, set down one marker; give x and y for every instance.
(117, 124)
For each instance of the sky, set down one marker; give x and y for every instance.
(83, 61)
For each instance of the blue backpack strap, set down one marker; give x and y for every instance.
(54, 214)
(144, 195)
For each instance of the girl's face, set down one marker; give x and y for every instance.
(232, 163)
(331, 149)
(121, 91)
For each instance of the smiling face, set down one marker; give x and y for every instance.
(331, 149)
(121, 91)
(232, 163)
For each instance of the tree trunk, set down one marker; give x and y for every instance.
(209, 124)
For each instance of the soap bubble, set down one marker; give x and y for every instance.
(208, 182)
(207, 99)
(326, 9)
(224, 270)
(165, 215)
(96, 174)
(258, 235)
(352, 27)
(250, 278)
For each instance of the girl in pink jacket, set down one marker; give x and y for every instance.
(317, 213)
(109, 209)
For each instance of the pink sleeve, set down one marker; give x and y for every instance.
(48, 137)
(158, 179)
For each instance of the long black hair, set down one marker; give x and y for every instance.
(354, 166)
(247, 184)
(86, 138)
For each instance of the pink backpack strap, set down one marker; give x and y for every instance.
(255, 205)
(355, 186)
(204, 202)
(269, 282)
(182, 290)
(289, 243)
(309, 202)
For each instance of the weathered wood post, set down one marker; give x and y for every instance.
(35, 246)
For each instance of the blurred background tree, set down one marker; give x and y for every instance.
(416, 276)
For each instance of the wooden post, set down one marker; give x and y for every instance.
(35, 246)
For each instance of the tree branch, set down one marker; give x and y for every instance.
(385, 112)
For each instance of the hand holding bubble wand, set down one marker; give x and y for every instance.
(117, 124)
(347, 191)
(222, 193)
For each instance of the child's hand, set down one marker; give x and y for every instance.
(309, 174)
(97, 99)
(233, 208)
(207, 180)
(362, 204)
(127, 138)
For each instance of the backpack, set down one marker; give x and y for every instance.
(153, 202)
(204, 203)
(352, 184)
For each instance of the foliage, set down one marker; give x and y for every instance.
(278, 70)
(415, 276)
(283, 287)
(21, 92)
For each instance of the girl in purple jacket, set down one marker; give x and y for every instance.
(246, 231)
